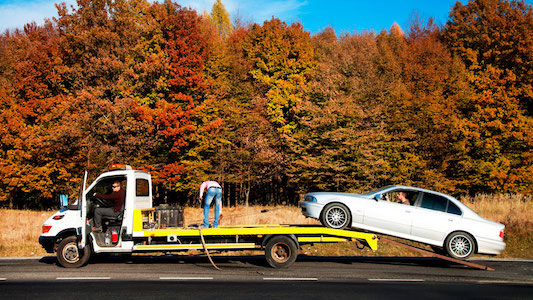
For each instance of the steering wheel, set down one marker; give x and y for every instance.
(101, 202)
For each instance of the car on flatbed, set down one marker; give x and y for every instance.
(426, 216)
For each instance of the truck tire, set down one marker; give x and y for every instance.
(280, 251)
(68, 254)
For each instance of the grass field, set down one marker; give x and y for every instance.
(20, 229)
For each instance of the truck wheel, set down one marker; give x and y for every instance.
(460, 245)
(280, 251)
(68, 254)
(336, 216)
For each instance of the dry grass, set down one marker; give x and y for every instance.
(252, 215)
(20, 230)
(516, 212)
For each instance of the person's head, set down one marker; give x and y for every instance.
(116, 186)
(403, 197)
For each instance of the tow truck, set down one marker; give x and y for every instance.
(142, 228)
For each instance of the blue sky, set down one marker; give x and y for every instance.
(343, 15)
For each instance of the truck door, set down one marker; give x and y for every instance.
(83, 211)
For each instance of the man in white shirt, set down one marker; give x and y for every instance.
(212, 190)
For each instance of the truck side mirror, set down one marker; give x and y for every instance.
(63, 200)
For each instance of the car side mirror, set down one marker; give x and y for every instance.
(378, 197)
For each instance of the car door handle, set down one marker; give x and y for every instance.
(451, 220)
(408, 211)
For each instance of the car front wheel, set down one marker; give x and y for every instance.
(460, 245)
(336, 216)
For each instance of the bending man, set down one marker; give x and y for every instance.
(212, 190)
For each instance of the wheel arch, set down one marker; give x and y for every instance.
(267, 237)
(64, 234)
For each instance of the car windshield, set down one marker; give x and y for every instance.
(378, 191)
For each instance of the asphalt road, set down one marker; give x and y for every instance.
(176, 277)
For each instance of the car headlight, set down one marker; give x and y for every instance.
(309, 198)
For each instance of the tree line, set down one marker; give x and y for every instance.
(269, 110)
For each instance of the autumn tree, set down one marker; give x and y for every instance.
(220, 18)
(494, 38)
(436, 82)
(282, 59)
(30, 92)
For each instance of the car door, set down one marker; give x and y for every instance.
(388, 217)
(434, 218)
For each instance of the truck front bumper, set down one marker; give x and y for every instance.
(48, 243)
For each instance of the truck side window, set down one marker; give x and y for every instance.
(141, 187)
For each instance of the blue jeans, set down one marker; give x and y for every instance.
(212, 193)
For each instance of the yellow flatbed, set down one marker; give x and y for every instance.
(280, 242)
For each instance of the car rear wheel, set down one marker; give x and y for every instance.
(68, 254)
(460, 245)
(336, 216)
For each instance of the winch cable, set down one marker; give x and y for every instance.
(203, 240)
(207, 251)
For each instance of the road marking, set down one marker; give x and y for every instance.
(290, 279)
(83, 278)
(496, 281)
(185, 278)
(3, 279)
(395, 279)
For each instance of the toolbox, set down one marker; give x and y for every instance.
(169, 216)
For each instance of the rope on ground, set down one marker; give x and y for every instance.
(207, 251)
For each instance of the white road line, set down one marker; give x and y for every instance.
(83, 278)
(185, 278)
(395, 279)
(290, 279)
(494, 281)
(3, 279)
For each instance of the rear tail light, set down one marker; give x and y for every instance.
(502, 234)
(46, 228)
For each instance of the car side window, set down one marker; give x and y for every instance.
(453, 209)
(434, 202)
(401, 197)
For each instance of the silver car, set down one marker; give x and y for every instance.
(420, 215)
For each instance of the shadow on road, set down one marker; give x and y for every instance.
(259, 260)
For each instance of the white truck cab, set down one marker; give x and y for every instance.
(68, 231)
